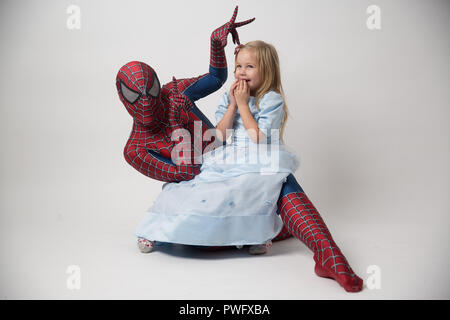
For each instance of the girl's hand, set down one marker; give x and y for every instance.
(242, 93)
(232, 97)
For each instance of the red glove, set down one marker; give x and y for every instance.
(219, 40)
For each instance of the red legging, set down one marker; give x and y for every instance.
(305, 223)
(302, 220)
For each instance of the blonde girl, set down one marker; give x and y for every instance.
(237, 202)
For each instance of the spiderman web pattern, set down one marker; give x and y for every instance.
(304, 222)
(158, 136)
(284, 234)
(219, 40)
(138, 76)
(137, 154)
(150, 145)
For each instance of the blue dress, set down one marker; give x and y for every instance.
(233, 200)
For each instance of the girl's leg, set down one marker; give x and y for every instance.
(305, 223)
(260, 248)
(145, 245)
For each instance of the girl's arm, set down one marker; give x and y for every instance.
(226, 122)
(270, 114)
(242, 94)
(250, 124)
(228, 117)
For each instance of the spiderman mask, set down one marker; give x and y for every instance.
(139, 90)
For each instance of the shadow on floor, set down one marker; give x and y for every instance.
(283, 247)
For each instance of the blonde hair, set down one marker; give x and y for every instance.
(269, 66)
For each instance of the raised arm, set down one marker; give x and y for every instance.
(199, 87)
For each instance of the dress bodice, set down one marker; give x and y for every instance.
(269, 118)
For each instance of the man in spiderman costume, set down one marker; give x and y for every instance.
(161, 113)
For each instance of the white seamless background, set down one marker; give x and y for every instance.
(369, 117)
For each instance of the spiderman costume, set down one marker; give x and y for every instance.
(160, 113)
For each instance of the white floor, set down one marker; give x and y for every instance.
(369, 119)
(38, 250)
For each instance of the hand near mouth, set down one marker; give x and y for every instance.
(233, 103)
(242, 93)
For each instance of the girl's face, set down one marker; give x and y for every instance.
(247, 69)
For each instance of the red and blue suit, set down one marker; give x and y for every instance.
(158, 112)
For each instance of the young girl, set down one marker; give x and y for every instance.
(233, 201)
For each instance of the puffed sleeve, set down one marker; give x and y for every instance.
(222, 107)
(271, 112)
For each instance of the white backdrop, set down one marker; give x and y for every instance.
(369, 120)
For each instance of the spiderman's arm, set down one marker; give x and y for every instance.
(151, 155)
(153, 165)
(206, 84)
(199, 87)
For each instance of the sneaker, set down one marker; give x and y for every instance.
(145, 245)
(260, 248)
